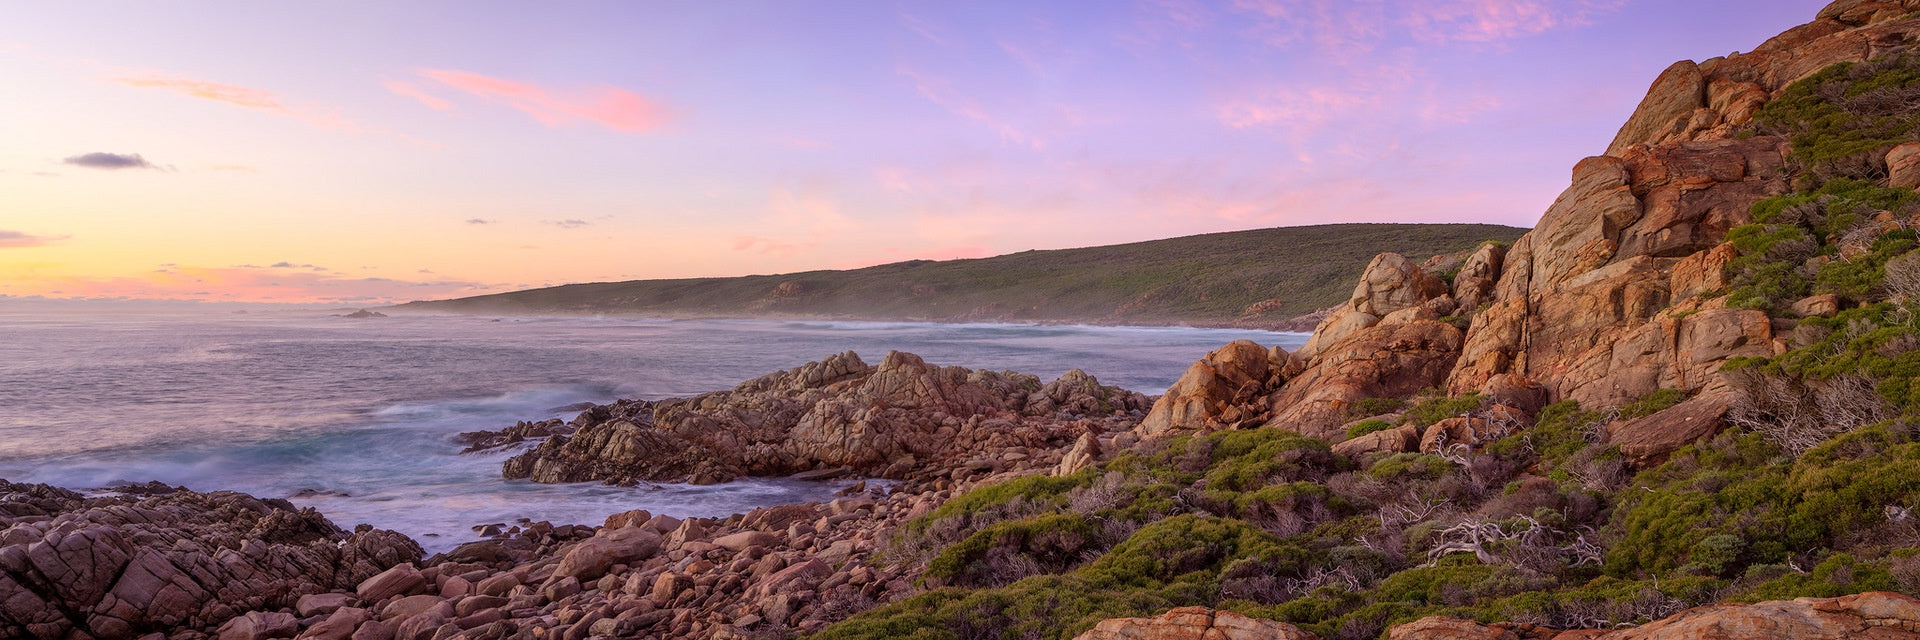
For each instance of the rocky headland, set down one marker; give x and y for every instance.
(1685, 406)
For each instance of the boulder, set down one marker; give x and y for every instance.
(1445, 628)
(1469, 431)
(1903, 165)
(259, 625)
(1085, 451)
(400, 580)
(314, 604)
(1401, 439)
(592, 557)
(1648, 439)
(1865, 616)
(1194, 623)
(339, 625)
(1476, 282)
(740, 541)
(1390, 283)
(1824, 305)
(1213, 391)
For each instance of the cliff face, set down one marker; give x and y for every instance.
(1619, 291)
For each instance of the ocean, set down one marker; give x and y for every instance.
(356, 417)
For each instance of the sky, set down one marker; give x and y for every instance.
(362, 152)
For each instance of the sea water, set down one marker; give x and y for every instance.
(357, 417)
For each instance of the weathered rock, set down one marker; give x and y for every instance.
(1674, 95)
(1866, 616)
(592, 557)
(1702, 272)
(1477, 281)
(1383, 361)
(1445, 628)
(744, 539)
(167, 559)
(314, 604)
(1903, 165)
(1470, 432)
(339, 625)
(400, 580)
(259, 625)
(1194, 623)
(1649, 439)
(900, 417)
(1390, 283)
(1213, 391)
(1084, 453)
(1399, 439)
(1825, 305)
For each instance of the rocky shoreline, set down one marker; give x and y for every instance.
(1401, 472)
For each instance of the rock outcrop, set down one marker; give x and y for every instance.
(903, 417)
(1616, 293)
(1387, 340)
(170, 561)
(1194, 623)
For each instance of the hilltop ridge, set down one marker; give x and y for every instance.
(1260, 279)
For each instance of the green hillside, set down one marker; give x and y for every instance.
(1204, 279)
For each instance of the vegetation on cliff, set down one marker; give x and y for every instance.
(1802, 485)
(1255, 278)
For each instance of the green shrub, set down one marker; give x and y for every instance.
(1375, 406)
(1365, 427)
(1437, 409)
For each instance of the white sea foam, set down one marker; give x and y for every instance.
(357, 417)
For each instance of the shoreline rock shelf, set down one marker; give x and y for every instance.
(903, 419)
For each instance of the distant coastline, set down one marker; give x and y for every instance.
(1268, 279)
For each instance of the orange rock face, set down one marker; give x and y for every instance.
(1194, 623)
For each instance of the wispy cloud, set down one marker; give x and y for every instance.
(479, 221)
(19, 240)
(231, 94)
(1341, 28)
(1441, 21)
(570, 223)
(239, 96)
(605, 106)
(410, 90)
(110, 161)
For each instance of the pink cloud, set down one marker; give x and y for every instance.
(408, 90)
(613, 108)
(231, 94)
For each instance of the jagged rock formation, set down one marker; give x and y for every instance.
(1387, 340)
(169, 561)
(1615, 293)
(901, 418)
